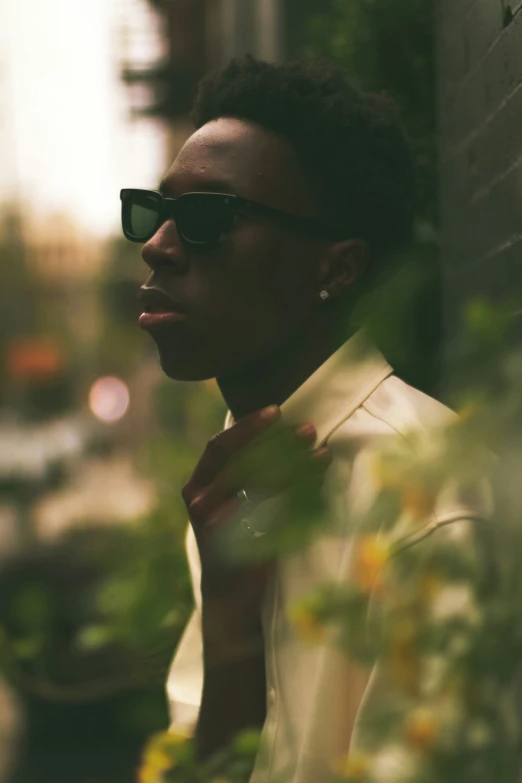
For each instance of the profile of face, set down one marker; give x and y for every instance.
(254, 291)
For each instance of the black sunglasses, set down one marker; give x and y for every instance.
(202, 219)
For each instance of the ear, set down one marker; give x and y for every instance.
(342, 264)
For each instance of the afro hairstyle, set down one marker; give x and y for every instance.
(351, 143)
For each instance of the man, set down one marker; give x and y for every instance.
(292, 197)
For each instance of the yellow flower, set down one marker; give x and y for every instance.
(156, 763)
(177, 737)
(307, 624)
(372, 552)
(417, 500)
(160, 756)
(422, 728)
(355, 766)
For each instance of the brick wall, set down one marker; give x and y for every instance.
(480, 116)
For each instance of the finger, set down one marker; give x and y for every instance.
(220, 448)
(271, 468)
(303, 479)
(272, 465)
(270, 453)
(259, 484)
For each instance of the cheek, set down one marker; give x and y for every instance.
(246, 300)
(255, 291)
(287, 281)
(278, 268)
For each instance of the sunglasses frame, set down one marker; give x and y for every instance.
(167, 208)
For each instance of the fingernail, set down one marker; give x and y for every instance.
(306, 431)
(323, 453)
(271, 413)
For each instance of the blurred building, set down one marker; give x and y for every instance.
(58, 251)
(480, 117)
(200, 35)
(67, 264)
(50, 311)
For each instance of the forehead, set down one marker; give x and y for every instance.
(243, 158)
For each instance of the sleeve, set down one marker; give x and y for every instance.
(185, 679)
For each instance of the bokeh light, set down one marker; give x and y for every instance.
(109, 398)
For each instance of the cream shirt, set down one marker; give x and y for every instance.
(315, 694)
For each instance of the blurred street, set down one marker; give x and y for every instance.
(102, 491)
(52, 480)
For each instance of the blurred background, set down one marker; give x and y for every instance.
(94, 443)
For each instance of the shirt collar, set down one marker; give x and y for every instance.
(340, 385)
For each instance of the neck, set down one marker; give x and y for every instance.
(271, 379)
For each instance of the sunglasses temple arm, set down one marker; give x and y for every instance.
(308, 225)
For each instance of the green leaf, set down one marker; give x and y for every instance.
(95, 637)
(32, 606)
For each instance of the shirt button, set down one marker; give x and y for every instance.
(271, 696)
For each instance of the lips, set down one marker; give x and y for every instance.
(158, 308)
(156, 301)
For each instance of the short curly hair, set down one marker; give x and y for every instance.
(351, 142)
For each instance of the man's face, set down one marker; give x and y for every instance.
(248, 296)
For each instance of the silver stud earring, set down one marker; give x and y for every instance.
(324, 294)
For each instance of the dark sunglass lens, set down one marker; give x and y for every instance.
(141, 216)
(203, 219)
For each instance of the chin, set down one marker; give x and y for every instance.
(198, 360)
(182, 368)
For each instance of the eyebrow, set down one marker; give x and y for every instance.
(210, 186)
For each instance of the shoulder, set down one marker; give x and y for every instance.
(406, 411)
(399, 434)
(393, 412)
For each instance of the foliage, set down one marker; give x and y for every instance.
(442, 619)
(100, 610)
(171, 757)
(446, 631)
(93, 615)
(385, 46)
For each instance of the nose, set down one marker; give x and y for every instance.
(165, 247)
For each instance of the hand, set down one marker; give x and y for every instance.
(258, 455)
